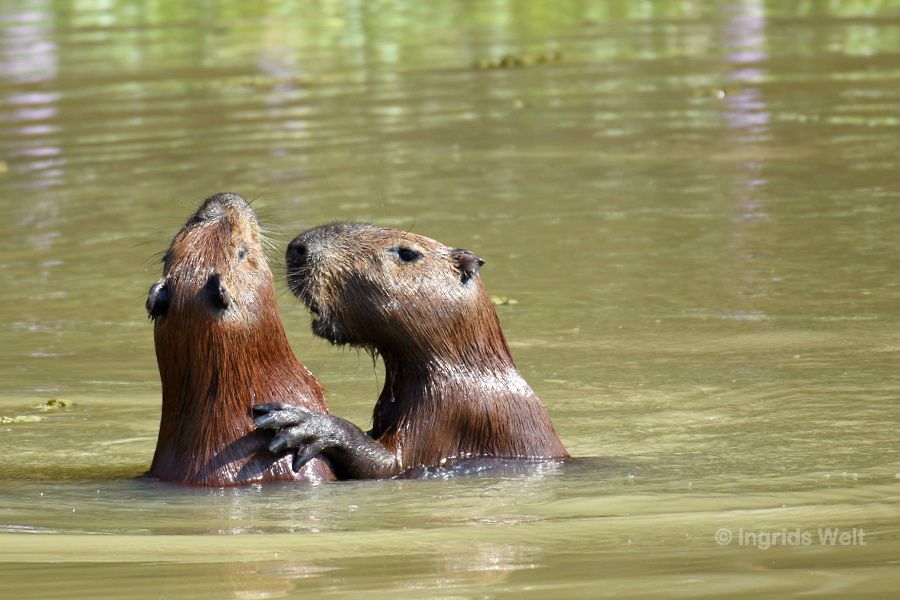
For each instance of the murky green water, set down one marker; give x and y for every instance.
(696, 210)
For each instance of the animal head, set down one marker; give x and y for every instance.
(385, 289)
(215, 269)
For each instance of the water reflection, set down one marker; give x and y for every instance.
(29, 57)
(28, 49)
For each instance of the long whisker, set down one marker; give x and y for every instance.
(154, 259)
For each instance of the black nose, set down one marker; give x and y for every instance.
(317, 244)
(297, 252)
(217, 292)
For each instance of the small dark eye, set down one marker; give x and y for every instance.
(408, 255)
(242, 254)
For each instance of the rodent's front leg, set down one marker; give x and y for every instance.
(353, 454)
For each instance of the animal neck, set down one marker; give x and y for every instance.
(469, 357)
(432, 385)
(211, 376)
(471, 401)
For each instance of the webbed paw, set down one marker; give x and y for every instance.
(298, 430)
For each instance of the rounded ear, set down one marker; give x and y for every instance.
(157, 300)
(467, 262)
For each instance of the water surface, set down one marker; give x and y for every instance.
(695, 211)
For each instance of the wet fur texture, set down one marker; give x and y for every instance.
(452, 389)
(221, 348)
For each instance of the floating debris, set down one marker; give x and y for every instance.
(54, 404)
(22, 419)
(715, 92)
(503, 301)
(513, 61)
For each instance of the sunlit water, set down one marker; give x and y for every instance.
(695, 212)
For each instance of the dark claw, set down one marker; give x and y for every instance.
(266, 422)
(301, 458)
(305, 434)
(269, 407)
(282, 417)
(290, 437)
(277, 445)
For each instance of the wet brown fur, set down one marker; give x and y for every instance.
(215, 364)
(452, 389)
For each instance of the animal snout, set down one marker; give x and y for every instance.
(297, 252)
(317, 243)
(216, 205)
(217, 292)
